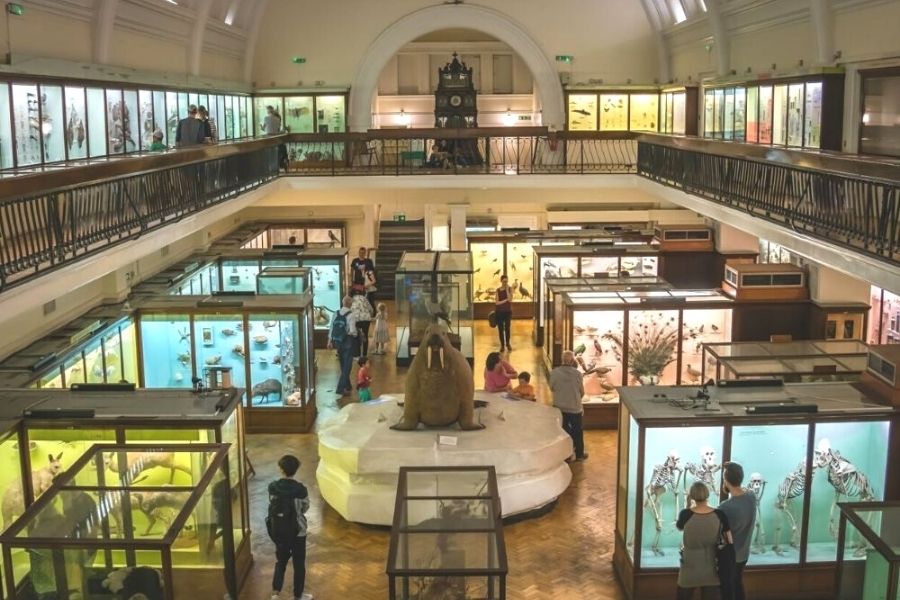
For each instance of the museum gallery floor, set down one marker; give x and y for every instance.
(565, 554)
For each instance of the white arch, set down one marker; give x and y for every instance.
(465, 16)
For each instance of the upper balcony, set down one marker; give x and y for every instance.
(54, 215)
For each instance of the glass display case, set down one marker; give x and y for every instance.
(284, 280)
(312, 234)
(795, 462)
(158, 535)
(793, 362)
(626, 110)
(869, 551)
(434, 287)
(447, 535)
(798, 112)
(495, 255)
(582, 112)
(202, 280)
(263, 344)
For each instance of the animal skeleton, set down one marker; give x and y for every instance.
(665, 478)
(705, 471)
(757, 485)
(846, 480)
(792, 486)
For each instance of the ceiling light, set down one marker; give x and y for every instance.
(404, 118)
(702, 5)
(172, 2)
(509, 119)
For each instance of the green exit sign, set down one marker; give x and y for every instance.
(400, 217)
(298, 60)
(564, 58)
(15, 9)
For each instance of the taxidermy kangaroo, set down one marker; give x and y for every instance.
(13, 498)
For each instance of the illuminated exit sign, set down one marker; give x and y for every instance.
(564, 58)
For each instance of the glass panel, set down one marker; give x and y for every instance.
(594, 341)
(850, 457)
(166, 351)
(865, 573)
(728, 119)
(652, 347)
(326, 275)
(600, 266)
(53, 124)
(613, 112)
(740, 113)
(76, 117)
(96, 122)
(53, 379)
(172, 116)
(273, 358)
(774, 462)
(779, 115)
(333, 237)
(753, 114)
(130, 122)
(644, 112)
(679, 113)
(145, 112)
(487, 259)
(765, 114)
(709, 113)
(27, 124)
(193, 99)
(73, 369)
(235, 474)
(239, 275)
(812, 127)
(245, 116)
(582, 112)
(702, 326)
(260, 104)
(11, 480)
(719, 107)
(55, 450)
(115, 133)
(519, 268)
(183, 104)
(160, 122)
(223, 129)
(93, 359)
(632, 484)
(6, 136)
(330, 114)
(129, 355)
(219, 342)
(795, 115)
(687, 453)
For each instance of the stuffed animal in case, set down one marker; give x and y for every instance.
(135, 583)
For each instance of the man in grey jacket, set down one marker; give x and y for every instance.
(740, 508)
(567, 385)
(190, 129)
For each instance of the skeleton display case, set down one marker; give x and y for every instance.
(126, 522)
(447, 535)
(869, 551)
(263, 344)
(800, 464)
(434, 287)
(794, 362)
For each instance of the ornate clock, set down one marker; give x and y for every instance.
(454, 99)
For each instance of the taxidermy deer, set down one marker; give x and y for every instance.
(138, 462)
(41, 480)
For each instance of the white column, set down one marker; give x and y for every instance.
(457, 226)
(106, 19)
(196, 49)
(370, 226)
(823, 23)
(720, 37)
(487, 73)
(827, 285)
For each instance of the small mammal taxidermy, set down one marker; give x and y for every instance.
(41, 480)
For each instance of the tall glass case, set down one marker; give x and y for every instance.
(447, 535)
(869, 551)
(263, 344)
(494, 255)
(119, 524)
(798, 464)
(283, 280)
(613, 110)
(794, 362)
(434, 287)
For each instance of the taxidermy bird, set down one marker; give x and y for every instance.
(497, 272)
(582, 111)
(693, 373)
(579, 350)
(334, 239)
(523, 292)
(598, 348)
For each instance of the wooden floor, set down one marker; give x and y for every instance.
(564, 554)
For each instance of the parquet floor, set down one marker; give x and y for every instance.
(565, 554)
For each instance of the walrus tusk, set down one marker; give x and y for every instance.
(428, 363)
(441, 351)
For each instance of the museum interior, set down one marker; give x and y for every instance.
(695, 205)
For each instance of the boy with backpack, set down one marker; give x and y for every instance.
(286, 525)
(343, 338)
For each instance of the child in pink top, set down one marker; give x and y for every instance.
(497, 373)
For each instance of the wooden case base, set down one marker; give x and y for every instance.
(281, 419)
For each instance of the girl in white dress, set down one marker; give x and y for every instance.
(382, 337)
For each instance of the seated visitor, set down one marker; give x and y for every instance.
(524, 391)
(497, 373)
(363, 380)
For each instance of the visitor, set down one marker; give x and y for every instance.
(497, 373)
(343, 339)
(382, 335)
(740, 508)
(292, 240)
(701, 525)
(503, 312)
(157, 145)
(524, 391)
(286, 525)
(362, 313)
(370, 288)
(190, 130)
(209, 133)
(363, 380)
(271, 124)
(567, 385)
(359, 266)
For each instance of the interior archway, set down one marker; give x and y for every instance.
(463, 16)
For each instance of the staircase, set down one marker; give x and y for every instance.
(394, 238)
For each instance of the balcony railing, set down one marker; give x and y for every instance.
(55, 217)
(845, 200)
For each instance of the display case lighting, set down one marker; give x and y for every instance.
(404, 118)
(509, 119)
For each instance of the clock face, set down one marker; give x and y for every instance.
(455, 100)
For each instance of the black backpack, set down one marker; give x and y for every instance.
(281, 522)
(339, 328)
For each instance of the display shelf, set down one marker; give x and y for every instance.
(794, 362)
(868, 551)
(266, 341)
(433, 287)
(678, 110)
(164, 534)
(681, 436)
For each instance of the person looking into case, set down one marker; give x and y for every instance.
(740, 508)
(701, 525)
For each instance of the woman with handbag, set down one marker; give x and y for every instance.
(705, 530)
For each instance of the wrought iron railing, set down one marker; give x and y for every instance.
(841, 200)
(499, 151)
(50, 226)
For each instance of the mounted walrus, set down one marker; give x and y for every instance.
(440, 389)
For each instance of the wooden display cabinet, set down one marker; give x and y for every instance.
(768, 281)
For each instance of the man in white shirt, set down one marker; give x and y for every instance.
(343, 338)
